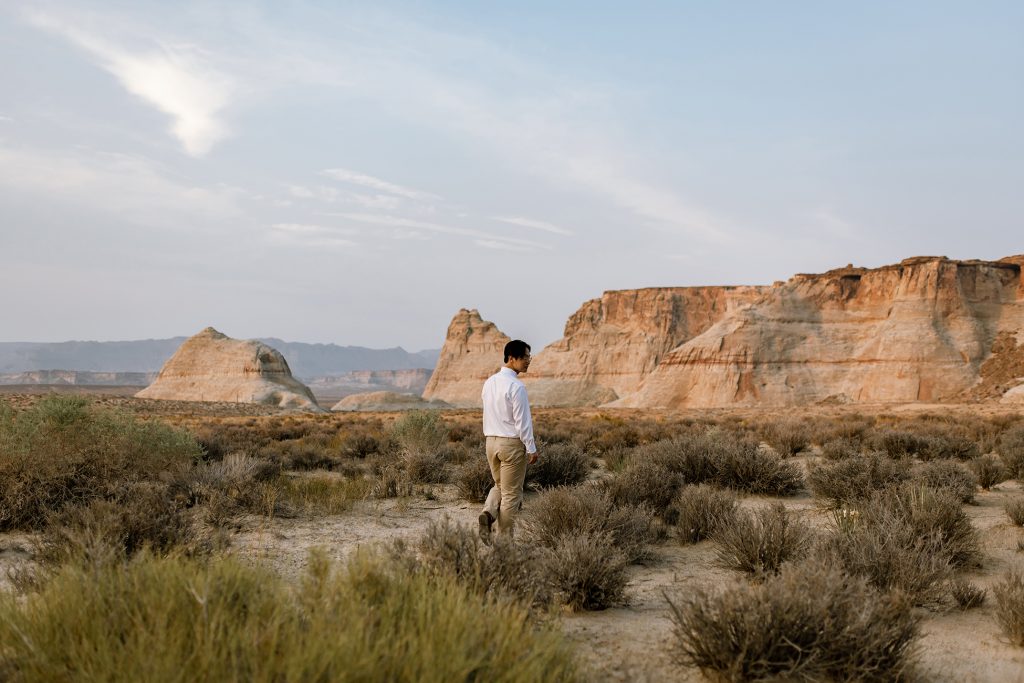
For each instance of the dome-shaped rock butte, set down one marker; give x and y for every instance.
(386, 401)
(211, 366)
(472, 352)
(926, 329)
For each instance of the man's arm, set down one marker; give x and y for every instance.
(524, 421)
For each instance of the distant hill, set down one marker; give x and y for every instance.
(147, 356)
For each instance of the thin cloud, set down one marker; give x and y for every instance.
(415, 224)
(505, 246)
(355, 178)
(535, 224)
(312, 229)
(175, 79)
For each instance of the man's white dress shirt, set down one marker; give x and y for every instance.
(507, 408)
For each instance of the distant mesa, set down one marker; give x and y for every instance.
(386, 401)
(472, 352)
(927, 329)
(211, 366)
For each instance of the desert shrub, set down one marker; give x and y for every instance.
(948, 476)
(715, 456)
(930, 512)
(359, 445)
(890, 556)
(568, 511)
(420, 432)
(426, 467)
(855, 478)
(142, 515)
(323, 495)
(810, 622)
(515, 569)
(966, 594)
(161, 619)
(65, 452)
(1015, 510)
(909, 538)
(238, 483)
(1011, 450)
(759, 543)
(989, 470)
(693, 457)
(955, 446)
(645, 483)
(391, 481)
(616, 458)
(787, 437)
(899, 443)
(745, 467)
(473, 479)
(1009, 595)
(700, 510)
(561, 464)
(587, 570)
(840, 449)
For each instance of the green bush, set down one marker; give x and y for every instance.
(65, 452)
(759, 543)
(162, 619)
(420, 432)
(809, 623)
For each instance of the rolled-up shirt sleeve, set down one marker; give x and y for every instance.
(523, 419)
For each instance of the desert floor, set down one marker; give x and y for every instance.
(632, 642)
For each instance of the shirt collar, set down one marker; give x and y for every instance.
(508, 371)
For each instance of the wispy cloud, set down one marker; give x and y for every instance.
(505, 246)
(176, 79)
(308, 235)
(355, 178)
(416, 224)
(535, 224)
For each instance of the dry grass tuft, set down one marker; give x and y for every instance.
(1009, 595)
(701, 510)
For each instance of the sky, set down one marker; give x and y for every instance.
(355, 173)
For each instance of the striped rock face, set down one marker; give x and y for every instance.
(211, 366)
(926, 329)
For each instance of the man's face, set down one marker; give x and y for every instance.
(520, 365)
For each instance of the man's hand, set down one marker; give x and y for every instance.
(533, 457)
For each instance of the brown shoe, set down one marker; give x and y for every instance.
(486, 521)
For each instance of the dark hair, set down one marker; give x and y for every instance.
(516, 348)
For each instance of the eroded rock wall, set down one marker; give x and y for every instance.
(920, 330)
(472, 352)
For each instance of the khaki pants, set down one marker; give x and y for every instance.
(507, 458)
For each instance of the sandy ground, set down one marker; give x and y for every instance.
(634, 642)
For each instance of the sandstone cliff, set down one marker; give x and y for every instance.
(213, 367)
(610, 344)
(920, 330)
(472, 352)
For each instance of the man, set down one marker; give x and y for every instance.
(508, 427)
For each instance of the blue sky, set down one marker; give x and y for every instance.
(356, 172)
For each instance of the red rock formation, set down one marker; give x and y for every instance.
(213, 367)
(472, 352)
(610, 344)
(920, 330)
